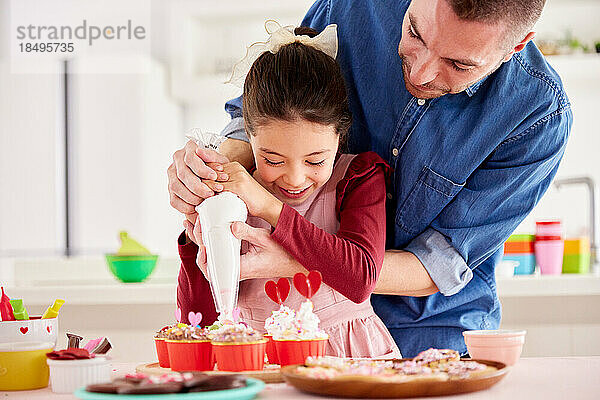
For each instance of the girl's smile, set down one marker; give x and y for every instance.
(293, 158)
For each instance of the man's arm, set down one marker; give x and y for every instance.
(403, 274)
(238, 150)
(473, 226)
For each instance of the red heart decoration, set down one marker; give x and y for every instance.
(24, 330)
(49, 328)
(309, 284)
(279, 291)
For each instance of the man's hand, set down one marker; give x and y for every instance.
(265, 258)
(190, 166)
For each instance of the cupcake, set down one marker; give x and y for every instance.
(189, 349)
(279, 322)
(161, 345)
(238, 347)
(301, 338)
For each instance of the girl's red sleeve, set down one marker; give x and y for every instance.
(193, 290)
(351, 259)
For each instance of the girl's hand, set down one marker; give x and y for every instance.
(260, 202)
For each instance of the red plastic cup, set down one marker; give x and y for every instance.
(162, 352)
(239, 356)
(271, 350)
(190, 355)
(548, 228)
(296, 351)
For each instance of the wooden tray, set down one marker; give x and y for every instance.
(270, 374)
(349, 387)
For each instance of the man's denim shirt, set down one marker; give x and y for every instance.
(468, 167)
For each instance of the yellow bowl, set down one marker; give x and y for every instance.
(23, 365)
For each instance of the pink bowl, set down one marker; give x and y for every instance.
(495, 345)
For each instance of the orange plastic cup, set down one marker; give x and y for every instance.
(190, 355)
(162, 352)
(296, 351)
(271, 350)
(239, 356)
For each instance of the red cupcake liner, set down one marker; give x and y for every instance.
(296, 351)
(240, 356)
(162, 352)
(190, 355)
(271, 350)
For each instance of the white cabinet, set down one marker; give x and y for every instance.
(123, 132)
(206, 39)
(31, 169)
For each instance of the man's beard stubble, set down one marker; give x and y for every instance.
(443, 90)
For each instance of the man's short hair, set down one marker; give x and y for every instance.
(518, 15)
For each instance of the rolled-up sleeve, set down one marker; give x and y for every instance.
(443, 262)
(235, 128)
(493, 202)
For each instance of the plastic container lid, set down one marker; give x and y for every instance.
(522, 237)
(25, 346)
(519, 247)
(577, 245)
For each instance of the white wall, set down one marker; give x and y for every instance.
(581, 77)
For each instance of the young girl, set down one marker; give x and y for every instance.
(326, 209)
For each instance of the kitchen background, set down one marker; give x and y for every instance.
(122, 130)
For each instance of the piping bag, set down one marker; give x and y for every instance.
(216, 215)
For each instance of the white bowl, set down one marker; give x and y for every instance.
(32, 330)
(66, 376)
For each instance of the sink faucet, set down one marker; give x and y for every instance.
(593, 221)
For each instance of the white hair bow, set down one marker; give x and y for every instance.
(325, 41)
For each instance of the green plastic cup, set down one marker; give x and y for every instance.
(131, 268)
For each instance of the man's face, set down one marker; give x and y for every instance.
(442, 54)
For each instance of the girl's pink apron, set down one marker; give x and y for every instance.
(354, 329)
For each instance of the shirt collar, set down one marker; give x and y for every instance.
(473, 88)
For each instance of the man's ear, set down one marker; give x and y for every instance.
(520, 46)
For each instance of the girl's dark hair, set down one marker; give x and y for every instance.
(298, 82)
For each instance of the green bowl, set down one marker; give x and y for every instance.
(131, 268)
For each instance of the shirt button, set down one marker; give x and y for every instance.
(421, 102)
(395, 152)
(389, 196)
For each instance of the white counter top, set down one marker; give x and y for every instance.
(530, 378)
(560, 313)
(87, 281)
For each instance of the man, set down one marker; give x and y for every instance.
(474, 122)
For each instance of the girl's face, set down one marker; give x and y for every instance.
(293, 159)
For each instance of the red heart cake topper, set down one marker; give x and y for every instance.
(309, 284)
(279, 291)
